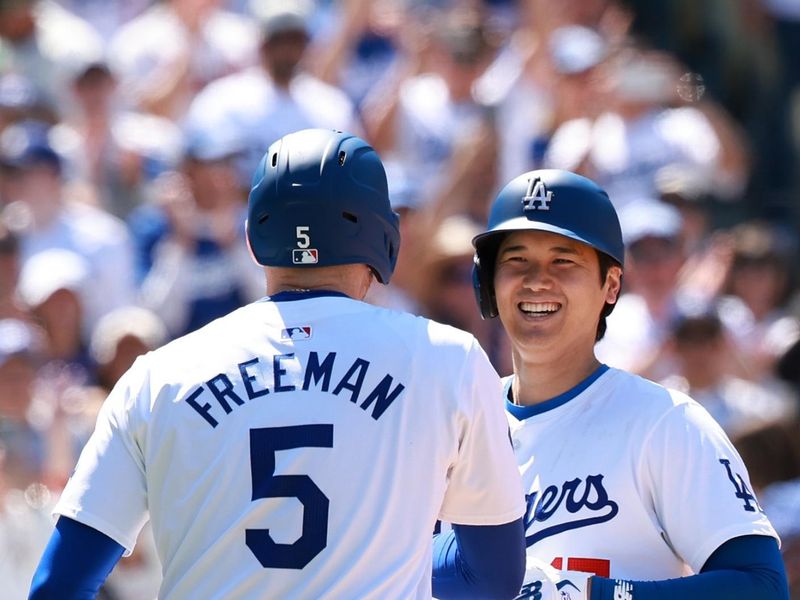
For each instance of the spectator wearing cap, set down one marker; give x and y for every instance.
(639, 325)
(166, 55)
(120, 338)
(44, 218)
(113, 152)
(193, 262)
(262, 104)
(52, 286)
(704, 354)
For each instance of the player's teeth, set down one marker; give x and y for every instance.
(539, 307)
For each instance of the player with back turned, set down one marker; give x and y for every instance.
(304, 445)
(625, 479)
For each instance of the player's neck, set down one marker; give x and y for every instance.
(299, 287)
(350, 280)
(535, 383)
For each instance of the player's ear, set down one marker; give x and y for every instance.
(613, 284)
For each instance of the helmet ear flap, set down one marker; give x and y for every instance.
(483, 286)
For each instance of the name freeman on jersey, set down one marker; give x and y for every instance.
(314, 373)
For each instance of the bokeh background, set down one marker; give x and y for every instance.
(129, 130)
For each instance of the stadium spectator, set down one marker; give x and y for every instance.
(113, 152)
(44, 218)
(704, 352)
(261, 104)
(193, 263)
(639, 325)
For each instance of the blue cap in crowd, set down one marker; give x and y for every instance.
(27, 144)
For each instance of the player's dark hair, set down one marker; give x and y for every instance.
(606, 262)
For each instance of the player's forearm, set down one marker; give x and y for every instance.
(719, 585)
(479, 561)
(75, 563)
(743, 568)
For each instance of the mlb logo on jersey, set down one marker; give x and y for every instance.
(537, 197)
(306, 256)
(296, 333)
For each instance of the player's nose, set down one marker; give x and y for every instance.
(537, 277)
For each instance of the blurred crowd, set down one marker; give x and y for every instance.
(129, 130)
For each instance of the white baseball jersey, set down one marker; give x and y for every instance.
(301, 447)
(629, 480)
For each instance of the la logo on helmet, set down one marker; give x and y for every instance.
(537, 197)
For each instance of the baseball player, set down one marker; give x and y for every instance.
(304, 445)
(633, 491)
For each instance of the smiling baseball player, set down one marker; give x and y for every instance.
(633, 491)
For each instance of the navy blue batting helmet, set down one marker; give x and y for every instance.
(549, 200)
(319, 198)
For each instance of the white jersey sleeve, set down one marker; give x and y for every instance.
(112, 465)
(699, 484)
(484, 485)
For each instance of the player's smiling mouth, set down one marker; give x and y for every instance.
(539, 309)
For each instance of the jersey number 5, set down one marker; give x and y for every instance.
(264, 443)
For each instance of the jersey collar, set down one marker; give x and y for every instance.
(524, 412)
(291, 296)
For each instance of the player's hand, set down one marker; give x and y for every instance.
(543, 582)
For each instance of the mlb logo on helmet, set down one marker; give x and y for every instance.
(296, 333)
(537, 197)
(306, 256)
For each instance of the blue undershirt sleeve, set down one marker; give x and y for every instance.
(743, 568)
(75, 562)
(479, 561)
